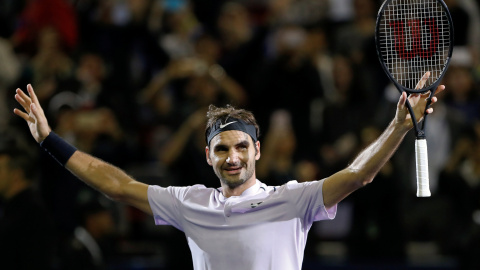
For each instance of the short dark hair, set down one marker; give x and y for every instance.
(229, 111)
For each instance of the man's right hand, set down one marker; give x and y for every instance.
(33, 114)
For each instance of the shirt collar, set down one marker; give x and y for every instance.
(251, 190)
(248, 192)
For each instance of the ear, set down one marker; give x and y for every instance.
(207, 154)
(257, 146)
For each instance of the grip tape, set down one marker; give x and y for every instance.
(421, 161)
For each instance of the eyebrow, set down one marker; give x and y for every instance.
(245, 143)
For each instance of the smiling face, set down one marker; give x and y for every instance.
(232, 154)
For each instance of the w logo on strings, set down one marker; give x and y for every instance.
(415, 38)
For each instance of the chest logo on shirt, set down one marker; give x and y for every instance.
(253, 205)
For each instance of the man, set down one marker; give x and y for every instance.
(245, 224)
(93, 240)
(27, 234)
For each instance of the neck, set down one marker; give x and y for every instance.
(237, 191)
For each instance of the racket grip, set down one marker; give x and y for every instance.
(421, 159)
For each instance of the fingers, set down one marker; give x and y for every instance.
(440, 88)
(23, 100)
(32, 94)
(27, 100)
(430, 110)
(23, 115)
(34, 110)
(434, 99)
(402, 100)
(29, 103)
(423, 80)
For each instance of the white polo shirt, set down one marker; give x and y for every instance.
(264, 228)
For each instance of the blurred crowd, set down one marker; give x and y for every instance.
(129, 81)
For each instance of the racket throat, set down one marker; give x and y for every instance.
(419, 130)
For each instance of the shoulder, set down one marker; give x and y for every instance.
(291, 186)
(300, 191)
(181, 192)
(295, 185)
(292, 189)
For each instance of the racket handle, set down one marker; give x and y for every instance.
(421, 159)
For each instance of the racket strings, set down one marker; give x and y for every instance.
(414, 39)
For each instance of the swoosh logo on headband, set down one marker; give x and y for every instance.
(226, 124)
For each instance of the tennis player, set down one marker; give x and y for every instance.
(245, 224)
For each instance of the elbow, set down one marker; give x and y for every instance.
(360, 178)
(114, 197)
(366, 181)
(118, 194)
(114, 192)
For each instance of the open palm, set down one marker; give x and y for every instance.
(33, 113)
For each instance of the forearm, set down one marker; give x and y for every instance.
(365, 166)
(369, 162)
(98, 174)
(104, 177)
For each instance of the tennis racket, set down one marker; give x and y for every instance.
(414, 40)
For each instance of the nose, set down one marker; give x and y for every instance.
(233, 157)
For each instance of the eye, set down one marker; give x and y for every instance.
(221, 149)
(242, 146)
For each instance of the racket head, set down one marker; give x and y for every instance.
(413, 37)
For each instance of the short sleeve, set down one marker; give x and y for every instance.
(165, 204)
(308, 199)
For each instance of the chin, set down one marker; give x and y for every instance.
(233, 183)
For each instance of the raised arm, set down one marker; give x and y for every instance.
(369, 162)
(104, 177)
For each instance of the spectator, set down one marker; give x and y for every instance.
(9, 71)
(277, 164)
(460, 186)
(339, 138)
(37, 15)
(464, 99)
(92, 244)
(242, 44)
(378, 232)
(27, 232)
(291, 82)
(180, 27)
